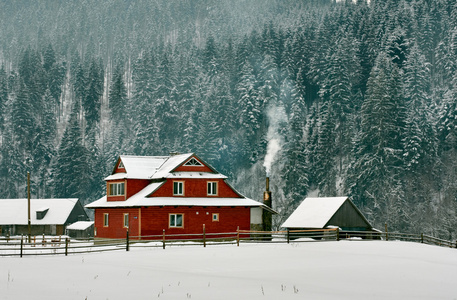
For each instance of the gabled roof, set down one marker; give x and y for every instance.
(317, 212)
(153, 167)
(14, 211)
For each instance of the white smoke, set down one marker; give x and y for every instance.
(277, 118)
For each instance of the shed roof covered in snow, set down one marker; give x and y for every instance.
(42, 211)
(324, 212)
(80, 225)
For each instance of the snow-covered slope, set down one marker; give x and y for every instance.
(314, 270)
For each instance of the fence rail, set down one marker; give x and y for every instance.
(63, 245)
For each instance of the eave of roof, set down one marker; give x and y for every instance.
(174, 201)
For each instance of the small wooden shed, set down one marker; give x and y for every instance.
(81, 230)
(328, 212)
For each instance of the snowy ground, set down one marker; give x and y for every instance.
(314, 270)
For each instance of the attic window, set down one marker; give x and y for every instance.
(121, 165)
(40, 213)
(193, 162)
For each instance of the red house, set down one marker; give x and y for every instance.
(178, 193)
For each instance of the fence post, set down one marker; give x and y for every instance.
(238, 236)
(163, 239)
(204, 236)
(422, 238)
(288, 236)
(387, 235)
(66, 246)
(22, 243)
(338, 234)
(127, 242)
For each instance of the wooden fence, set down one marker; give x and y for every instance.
(45, 245)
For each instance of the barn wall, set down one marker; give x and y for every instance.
(155, 219)
(347, 217)
(116, 227)
(77, 214)
(38, 229)
(196, 188)
(133, 186)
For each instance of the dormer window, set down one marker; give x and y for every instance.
(193, 162)
(178, 188)
(212, 188)
(40, 213)
(116, 189)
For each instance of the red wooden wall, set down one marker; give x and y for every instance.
(154, 219)
(116, 227)
(196, 188)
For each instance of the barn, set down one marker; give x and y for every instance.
(48, 216)
(179, 193)
(321, 213)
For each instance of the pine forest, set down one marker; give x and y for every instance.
(331, 98)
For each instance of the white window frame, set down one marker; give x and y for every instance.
(117, 189)
(126, 220)
(215, 217)
(211, 188)
(193, 162)
(178, 188)
(173, 221)
(105, 219)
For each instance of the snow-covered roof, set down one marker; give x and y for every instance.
(80, 225)
(152, 167)
(14, 211)
(141, 199)
(314, 212)
(174, 201)
(205, 175)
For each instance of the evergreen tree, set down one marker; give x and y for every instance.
(3, 95)
(23, 121)
(140, 109)
(71, 169)
(117, 95)
(92, 100)
(377, 168)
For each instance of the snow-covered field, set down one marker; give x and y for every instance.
(314, 270)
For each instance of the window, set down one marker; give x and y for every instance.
(116, 189)
(126, 220)
(176, 220)
(121, 165)
(105, 220)
(215, 217)
(178, 188)
(212, 188)
(193, 162)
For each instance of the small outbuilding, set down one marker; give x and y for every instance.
(329, 212)
(81, 230)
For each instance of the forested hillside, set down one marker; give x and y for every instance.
(333, 98)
